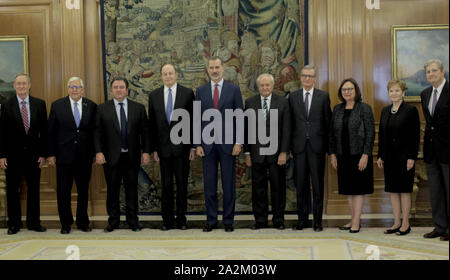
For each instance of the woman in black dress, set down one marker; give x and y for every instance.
(352, 135)
(398, 146)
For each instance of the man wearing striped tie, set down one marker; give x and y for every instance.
(274, 163)
(71, 148)
(23, 149)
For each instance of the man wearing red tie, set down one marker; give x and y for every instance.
(219, 95)
(23, 143)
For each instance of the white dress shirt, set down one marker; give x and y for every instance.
(80, 107)
(439, 91)
(311, 92)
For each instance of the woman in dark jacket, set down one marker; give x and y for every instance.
(398, 146)
(352, 135)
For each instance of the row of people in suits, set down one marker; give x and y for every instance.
(306, 127)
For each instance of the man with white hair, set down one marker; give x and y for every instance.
(435, 145)
(274, 163)
(23, 148)
(71, 147)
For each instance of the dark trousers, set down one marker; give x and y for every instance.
(178, 166)
(29, 168)
(210, 177)
(80, 171)
(438, 182)
(114, 175)
(260, 203)
(309, 167)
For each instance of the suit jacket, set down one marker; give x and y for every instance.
(316, 125)
(107, 139)
(14, 142)
(435, 144)
(284, 127)
(159, 124)
(67, 142)
(361, 126)
(405, 137)
(230, 98)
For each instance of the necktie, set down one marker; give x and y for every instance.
(169, 106)
(123, 127)
(24, 113)
(216, 97)
(76, 114)
(266, 109)
(307, 103)
(433, 105)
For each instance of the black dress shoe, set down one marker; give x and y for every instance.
(298, 226)
(209, 228)
(318, 228)
(354, 230)
(345, 228)
(13, 230)
(65, 230)
(229, 228)
(404, 232)
(38, 228)
(433, 234)
(280, 227)
(182, 226)
(110, 228)
(391, 231)
(257, 226)
(444, 237)
(85, 229)
(166, 227)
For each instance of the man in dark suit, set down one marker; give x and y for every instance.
(71, 147)
(219, 95)
(173, 158)
(23, 149)
(311, 113)
(275, 163)
(121, 141)
(435, 106)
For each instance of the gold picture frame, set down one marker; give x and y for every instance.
(14, 59)
(411, 47)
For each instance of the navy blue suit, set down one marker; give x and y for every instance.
(230, 98)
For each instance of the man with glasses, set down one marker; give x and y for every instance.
(23, 148)
(311, 113)
(71, 148)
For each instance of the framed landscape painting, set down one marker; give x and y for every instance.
(13, 60)
(412, 46)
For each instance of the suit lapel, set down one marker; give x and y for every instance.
(427, 101)
(178, 99)
(68, 111)
(160, 100)
(130, 115)
(33, 113)
(18, 113)
(85, 112)
(112, 111)
(314, 102)
(223, 95)
(443, 98)
(301, 103)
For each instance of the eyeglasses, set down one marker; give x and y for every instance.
(307, 76)
(347, 89)
(75, 87)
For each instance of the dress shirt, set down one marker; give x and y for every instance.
(166, 96)
(80, 107)
(219, 87)
(125, 107)
(27, 104)
(439, 91)
(311, 92)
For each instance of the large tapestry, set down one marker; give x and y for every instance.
(251, 36)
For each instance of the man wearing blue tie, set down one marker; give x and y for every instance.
(71, 147)
(122, 144)
(219, 95)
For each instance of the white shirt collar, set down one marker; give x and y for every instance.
(310, 92)
(213, 84)
(173, 88)
(125, 102)
(27, 99)
(72, 101)
(268, 97)
(440, 87)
